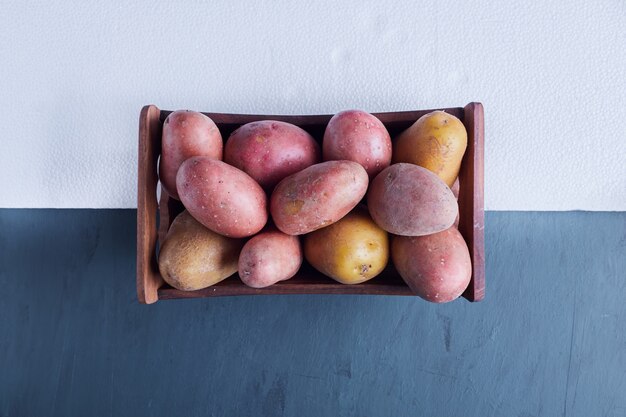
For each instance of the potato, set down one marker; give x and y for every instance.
(437, 141)
(436, 267)
(193, 257)
(351, 251)
(269, 257)
(186, 134)
(221, 197)
(408, 200)
(270, 150)
(358, 136)
(456, 188)
(317, 196)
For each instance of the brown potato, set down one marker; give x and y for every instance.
(193, 257)
(186, 134)
(436, 267)
(408, 200)
(436, 141)
(351, 251)
(269, 257)
(221, 197)
(355, 135)
(317, 196)
(270, 150)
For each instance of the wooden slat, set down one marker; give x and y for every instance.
(232, 288)
(148, 278)
(471, 199)
(307, 281)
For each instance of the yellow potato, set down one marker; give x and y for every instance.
(351, 251)
(193, 257)
(437, 142)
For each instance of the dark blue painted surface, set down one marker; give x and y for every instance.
(549, 340)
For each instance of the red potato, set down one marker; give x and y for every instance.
(358, 136)
(456, 188)
(408, 200)
(221, 197)
(268, 258)
(436, 267)
(270, 150)
(186, 134)
(317, 196)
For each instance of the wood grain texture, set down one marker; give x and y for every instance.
(148, 277)
(471, 199)
(308, 280)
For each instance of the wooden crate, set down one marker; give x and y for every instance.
(154, 217)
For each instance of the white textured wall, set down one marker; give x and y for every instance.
(552, 77)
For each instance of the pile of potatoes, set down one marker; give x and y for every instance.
(270, 197)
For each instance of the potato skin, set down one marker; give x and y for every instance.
(436, 267)
(193, 257)
(269, 257)
(317, 196)
(436, 141)
(408, 200)
(355, 135)
(221, 197)
(351, 251)
(269, 150)
(456, 188)
(186, 134)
